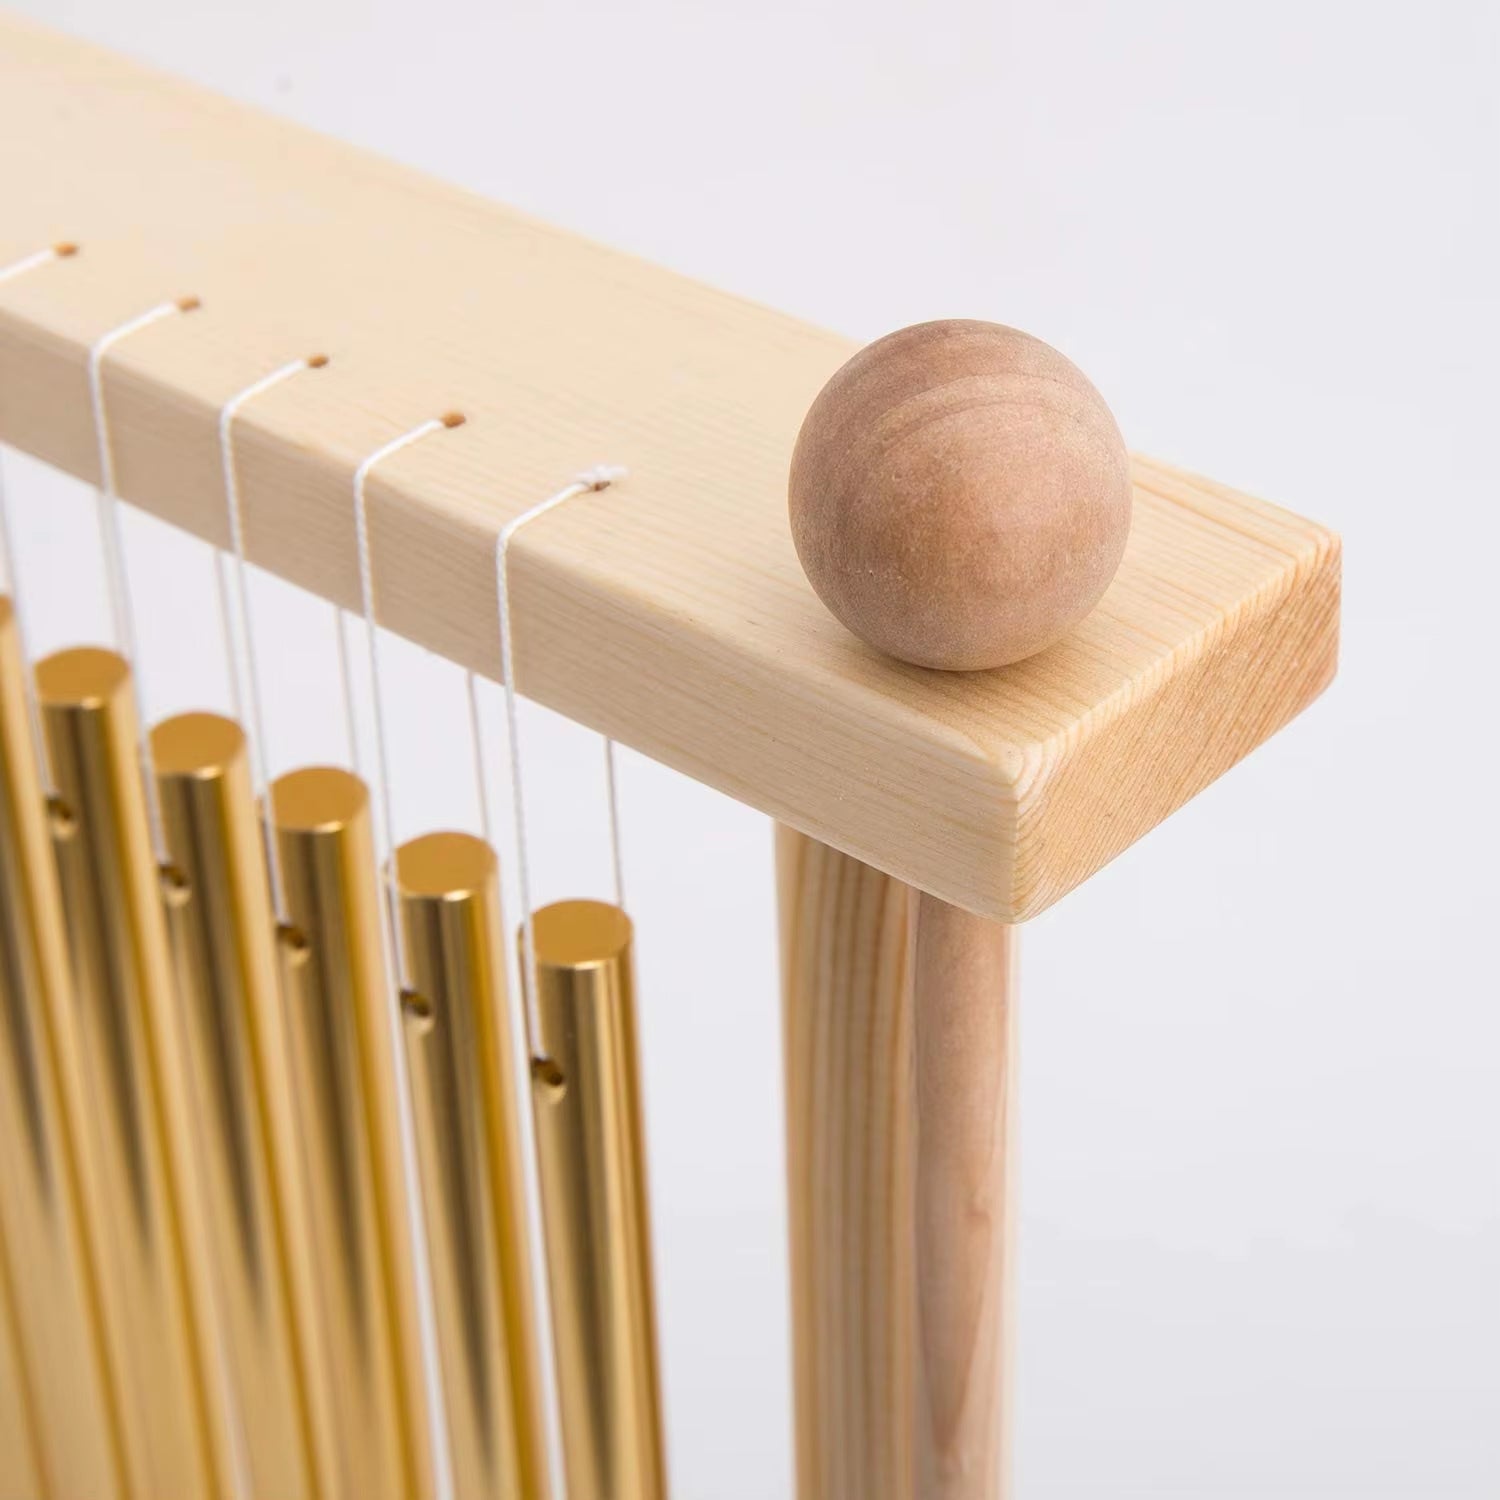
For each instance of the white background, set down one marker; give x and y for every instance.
(1261, 1224)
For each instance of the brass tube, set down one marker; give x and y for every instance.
(20, 1473)
(343, 1067)
(461, 1065)
(223, 942)
(59, 1348)
(591, 1160)
(147, 1220)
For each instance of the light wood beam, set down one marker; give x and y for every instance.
(671, 611)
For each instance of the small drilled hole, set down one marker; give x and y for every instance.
(418, 1009)
(549, 1078)
(189, 304)
(454, 419)
(62, 820)
(317, 361)
(65, 249)
(292, 941)
(176, 888)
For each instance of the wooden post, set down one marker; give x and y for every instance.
(899, 1037)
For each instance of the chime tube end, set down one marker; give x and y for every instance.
(196, 746)
(445, 867)
(318, 799)
(572, 935)
(81, 678)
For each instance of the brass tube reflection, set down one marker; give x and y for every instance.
(140, 1132)
(222, 936)
(461, 1065)
(591, 1159)
(344, 1076)
(59, 1347)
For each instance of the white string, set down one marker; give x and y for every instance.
(222, 592)
(395, 957)
(12, 585)
(109, 529)
(346, 681)
(598, 478)
(372, 648)
(35, 259)
(611, 783)
(113, 543)
(476, 747)
(246, 641)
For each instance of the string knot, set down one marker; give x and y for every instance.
(601, 476)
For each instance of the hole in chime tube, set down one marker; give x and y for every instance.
(548, 1078)
(61, 819)
(417, 1007)
(176, 888)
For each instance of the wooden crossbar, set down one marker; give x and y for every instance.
(669, 611)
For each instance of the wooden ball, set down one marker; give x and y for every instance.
(960, 495)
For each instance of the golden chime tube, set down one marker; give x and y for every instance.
(343, 1070)
(146, 1222)
(461, 1065)
(223, 942)
(591, 1160)
(59, 1352)
(20, 1478)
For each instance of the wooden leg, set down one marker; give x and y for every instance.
(899, 1028)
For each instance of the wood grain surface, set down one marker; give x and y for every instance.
(899, 1015)
(669, 611)
(960, 495)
